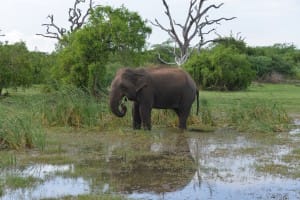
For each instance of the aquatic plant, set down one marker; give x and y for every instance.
(1, 187)
(21, 182)
(7, 159)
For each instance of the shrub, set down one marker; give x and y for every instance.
(221, 68)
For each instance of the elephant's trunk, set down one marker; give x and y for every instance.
(116, 106)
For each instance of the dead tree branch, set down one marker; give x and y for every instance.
(195, 26)
(76, 19)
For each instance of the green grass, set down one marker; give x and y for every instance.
(71, 107)
(19, 131)
(286, 95)
(261, 108)
(7, 158)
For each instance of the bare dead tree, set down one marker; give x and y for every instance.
(76, 18)
(195, 26)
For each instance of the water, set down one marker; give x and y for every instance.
(52, 186)
(166, 165)
(296, 130)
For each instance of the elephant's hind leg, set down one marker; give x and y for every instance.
(183, 114)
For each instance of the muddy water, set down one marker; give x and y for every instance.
(166, 164)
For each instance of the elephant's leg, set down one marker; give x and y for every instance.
(183, 114)
(182, 121)
(145, 113)
(136, 116)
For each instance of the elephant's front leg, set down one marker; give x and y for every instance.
(145, 113)
(136, 116)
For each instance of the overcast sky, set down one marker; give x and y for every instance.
(260, 22)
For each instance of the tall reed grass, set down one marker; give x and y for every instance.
(20, 131)
(73, 107)
(70, 107)
(259, 116)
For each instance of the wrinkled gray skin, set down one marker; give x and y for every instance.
(160, 87)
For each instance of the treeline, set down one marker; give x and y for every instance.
(112, 38)
(21, 67)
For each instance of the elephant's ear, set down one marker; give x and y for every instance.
(140, 86)
(138, 78)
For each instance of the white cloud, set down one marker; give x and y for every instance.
(40, 43)
(14, 36)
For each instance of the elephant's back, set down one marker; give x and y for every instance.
(170, 73)
(166, 78)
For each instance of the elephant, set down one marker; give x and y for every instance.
(154, 87)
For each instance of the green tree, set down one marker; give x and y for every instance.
(237, 44)
(15, 68)
(41, 64)
(83, 58)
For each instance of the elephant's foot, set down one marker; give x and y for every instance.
(147, 126)
(136, 126)
(182, 126)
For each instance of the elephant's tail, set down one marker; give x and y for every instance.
(197, 94)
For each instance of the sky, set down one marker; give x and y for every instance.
(259, 22)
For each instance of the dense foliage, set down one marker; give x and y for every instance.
(279, 58)
(15, 69)
(221, 68)
(20, 68)
(85, 53)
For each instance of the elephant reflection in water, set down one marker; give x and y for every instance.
(165, 166)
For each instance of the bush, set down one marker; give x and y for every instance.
(221, 68)
(280, 59)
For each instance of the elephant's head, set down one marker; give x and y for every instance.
(127, 83)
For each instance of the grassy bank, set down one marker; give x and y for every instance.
(262, 108)
(285, 95)
(26, 114)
